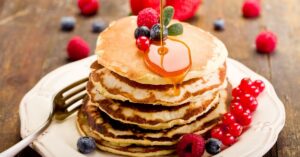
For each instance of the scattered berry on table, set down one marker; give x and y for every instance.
(266, 42)
(217, 132)
(251, 8)
(228, 139)
(184, 9)
(143, 43)
(86, 145)
(142, 31)
(213, 146)
(235, 129)
(236, 108)
(245, 118)
(228, 118)
(138, 5)
(259, 84)
(155, 33)
(98, 26)
(88, 7)
(67, 23)
(191, 145)
(219, 24)
(77, 48)
(147, 17)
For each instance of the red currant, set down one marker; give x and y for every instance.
(245, 84)
(143, 43)
(236, 92)
(247, 99)
(245, 119)
(236, 108)
(228, 118)
(259, 84)
(236, 99)
(228, 139)
(253, 90)
(252, 106)
(235, 129)
(217, 133)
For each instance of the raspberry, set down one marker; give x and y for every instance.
(251, 8)
(88, 7)
(266, 42)
(190, 145)
(184, 9)
(77, 48)
(147, 17)
(138, 5)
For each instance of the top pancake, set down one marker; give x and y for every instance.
(117, 51)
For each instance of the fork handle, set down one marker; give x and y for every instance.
(12, 151)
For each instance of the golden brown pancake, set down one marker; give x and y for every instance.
(117, 51)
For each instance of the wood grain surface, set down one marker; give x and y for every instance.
(31, 45)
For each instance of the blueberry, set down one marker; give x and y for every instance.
(213, 146)
(86, 145)
(67, 23)
(98, 26)
(219, 24)
(155, 32)
(142, 31)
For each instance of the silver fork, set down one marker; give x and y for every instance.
(65, 102)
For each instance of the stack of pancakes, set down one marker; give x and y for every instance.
(133, 111)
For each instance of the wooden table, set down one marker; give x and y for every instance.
(33, 45)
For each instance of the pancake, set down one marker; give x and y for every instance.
(116, 132)
(156, 117)
(117, 52)
(104, 82)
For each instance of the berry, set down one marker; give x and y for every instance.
(217, 133)
(98, 26)
(245, 118)
(247, 99)
(86, 145)
(236, 108)
(88, 7)
(235, 129)
(259, 84)
(143, 43)
(142, 31)
(245, 84)
(184, 9)
(252, 106)
(190, 145)
(236, 92)
(77, 48)
(67, 23)
(219, 24)
(155, 33)
(138, 5)
(251, 8)
(236, 99)
(228, 139)
(147, 17)
(213, 146)
(228, 118)
(266, 42)
(253, 90)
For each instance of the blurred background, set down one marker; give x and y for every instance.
(33, 42)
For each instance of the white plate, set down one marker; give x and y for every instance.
(59, 140)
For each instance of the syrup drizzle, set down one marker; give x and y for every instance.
(170, 59)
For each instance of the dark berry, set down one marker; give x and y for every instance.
(86, 145)
(219, 24)
(142, 31)
(67, 23)
(213, 146)
(155, 32)
(190, 145)
(98, 26)
(143, 43)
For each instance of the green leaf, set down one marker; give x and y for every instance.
(175, 29)
(168, 15)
